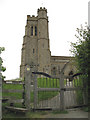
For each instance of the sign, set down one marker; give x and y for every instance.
(27, 68)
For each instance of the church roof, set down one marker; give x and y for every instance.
(61, 57)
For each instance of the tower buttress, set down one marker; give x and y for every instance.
(43, 41)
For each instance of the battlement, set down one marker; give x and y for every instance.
(42, 9)
(33, 17)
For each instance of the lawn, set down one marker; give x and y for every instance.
(48, 83)
(42, 95)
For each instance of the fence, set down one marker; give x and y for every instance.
(13, 93)
(42, 91)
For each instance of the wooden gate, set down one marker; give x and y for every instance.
(57, 93)
(75, 93)
(46, 92)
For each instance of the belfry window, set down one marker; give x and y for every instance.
(33, 50)
(32, 31)
(35, 31)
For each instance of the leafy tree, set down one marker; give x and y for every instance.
(81, 51)
(2, 69)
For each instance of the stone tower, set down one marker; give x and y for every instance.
(35, 49)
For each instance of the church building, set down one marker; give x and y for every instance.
(36, 47)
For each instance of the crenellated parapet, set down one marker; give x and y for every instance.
(42, 9)
(30, 18)
(42, 13)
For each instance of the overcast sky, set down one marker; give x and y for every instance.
(64, 17)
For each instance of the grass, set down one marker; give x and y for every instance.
(31, 114)
(42, 95)
(43, 83)
(47, 95)
(85, 109)
(8, 114)
(79, 94)
(79, 83)
(48, 83)
(13, 95)
(60, 112)
(37, 114)
(15, 105)
(12, 86)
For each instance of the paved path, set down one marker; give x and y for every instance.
(73, 113)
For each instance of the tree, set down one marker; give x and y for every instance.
(2, 69)
(81, 51)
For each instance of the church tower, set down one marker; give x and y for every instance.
(35, 50)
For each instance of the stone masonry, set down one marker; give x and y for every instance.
(36, 49)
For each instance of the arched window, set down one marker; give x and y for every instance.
(32, 31)
(35, 31)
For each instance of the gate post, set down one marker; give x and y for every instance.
(62, 106)
(35, 91)
(27, 86)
